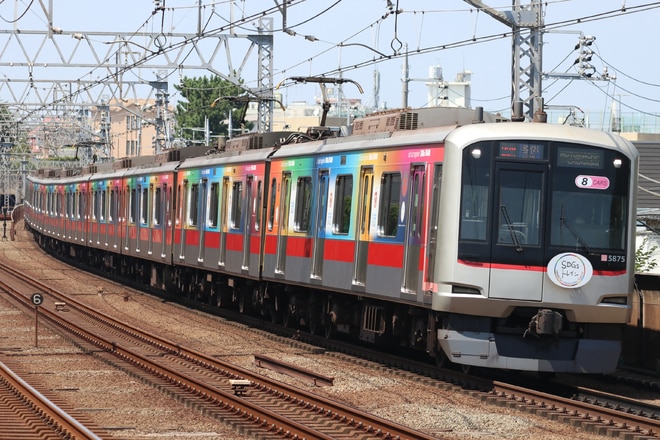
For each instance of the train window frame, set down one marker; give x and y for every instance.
(341, 220)
(236, 205)
(144, 206)
(385, 205)
(303, 207)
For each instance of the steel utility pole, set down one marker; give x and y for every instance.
(526, 23)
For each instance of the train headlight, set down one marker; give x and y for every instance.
(617, 163)
(476, 153)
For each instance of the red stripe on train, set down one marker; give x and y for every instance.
(605, 273)
(385, 254)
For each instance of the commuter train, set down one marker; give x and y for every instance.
(484, 243)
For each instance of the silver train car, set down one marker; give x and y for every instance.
(491, 244)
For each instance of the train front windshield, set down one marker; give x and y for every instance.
(524, 202)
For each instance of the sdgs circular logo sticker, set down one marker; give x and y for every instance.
(570, 270)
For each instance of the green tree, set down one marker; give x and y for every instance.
(203, 97)
(644, 261)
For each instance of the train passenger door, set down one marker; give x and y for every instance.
(518, 231)
(224, 198)
(283, 230)
(247, 221)
(202, 220)
(414, 222)
(319, 230)
(363, 226)
(183, 213)
(433, 226)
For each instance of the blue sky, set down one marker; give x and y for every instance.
(624, 44)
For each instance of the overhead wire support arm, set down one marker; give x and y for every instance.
(322, 81)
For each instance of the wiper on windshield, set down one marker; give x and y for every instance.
(509, 225)
(571, 229)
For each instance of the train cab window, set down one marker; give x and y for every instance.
(390, 199)
(303, 206)
(474, 193)
(193, 205)
(341, 218)
(271, 204)
(236, 205)
(214, 204)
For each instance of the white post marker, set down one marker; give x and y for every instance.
(37, 300)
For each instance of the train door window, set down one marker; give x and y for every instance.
(236, 204)
(95, 205)
(144, 206)
(132, 206)
(158, 207)
(365, 199)
(103, 204)
(214, 204)
(258, 207)
(416, 191)
(79, 205)
(303, 206)
(113, 205)
(193, 205)
(433, 224)
(341, 218)
(271, 204)
(179, 201)
(389, 205)
(519, 207)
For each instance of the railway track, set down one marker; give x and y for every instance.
(592, 413)
(26, 413)
(248, 401)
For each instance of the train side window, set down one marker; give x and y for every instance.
(214, 204)
(303, 204)
(193, 204)
(390, 199)
(236, 205)
(271, 204)
(79, 204)
(341, 218)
